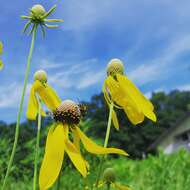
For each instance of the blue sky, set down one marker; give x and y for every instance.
(151, 37)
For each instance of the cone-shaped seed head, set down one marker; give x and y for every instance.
(40, 75)
(38, 10)
(68, 112)
(115, 66)
(109, 175)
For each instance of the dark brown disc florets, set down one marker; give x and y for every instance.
(68, 112)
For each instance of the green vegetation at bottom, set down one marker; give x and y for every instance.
(162, 172)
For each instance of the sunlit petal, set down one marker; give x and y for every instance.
(133, 113)
(93, 148)
(76, 142)
(108, 101)
(54, 153)
(32, 108)
(76, 158)
(47, 95)
(134, 93)
(115, 120)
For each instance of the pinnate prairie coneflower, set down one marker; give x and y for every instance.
(1, 51)
(37, 17)
(123, 94)
(67, 117)
(110, 180)
(46, 94)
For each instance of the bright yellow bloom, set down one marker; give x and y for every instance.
(1, 51)
(125, 95)
(47, 95)
(67, 116)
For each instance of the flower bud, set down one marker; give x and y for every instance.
(40, 75)
(68, 112)
(38, 10)
(115, 66)
(109, 175)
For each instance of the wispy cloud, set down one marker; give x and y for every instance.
(79, 75)
(11, 94)
(162, 65)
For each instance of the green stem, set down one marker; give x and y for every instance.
(59, 181)
(105, 144)
(37, 148)
(108, 186)
(20, 110)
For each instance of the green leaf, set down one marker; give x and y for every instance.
(51, 26)
(54, 20)
(26, 26)
(49, 12)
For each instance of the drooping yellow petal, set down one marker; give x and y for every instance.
(32, 108)
(76, 158)
(108, 101)
(47, 95)
(120, 187)
(115, 120)
(133, 114)
(114, 89)
(1, 47)
(134, 93)
(54, 153)
(130, 107)
(76, 142)
(93, 148)
(1, 65)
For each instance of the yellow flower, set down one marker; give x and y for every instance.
(1, 51)
(67, 117)
(109, 179)
(117, 88)
(48, 96)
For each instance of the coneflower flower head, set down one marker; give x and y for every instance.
(38, 16)
(68, 113)
(109, 175)
(115, 66)
(109, 179)
(123, 93)
(40, 75)
(37, 11)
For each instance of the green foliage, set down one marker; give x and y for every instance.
(153, 173)
(136, 139)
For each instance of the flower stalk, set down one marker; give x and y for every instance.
(20, 109)
(37, 148)
(105, 143)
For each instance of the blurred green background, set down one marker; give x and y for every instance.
(143, 169)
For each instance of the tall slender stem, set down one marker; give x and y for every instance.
(105, 143)
(59, 181)
(37, 145)
(20, 110)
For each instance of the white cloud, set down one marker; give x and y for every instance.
(144, 73)
(90, 79)
(159, 67)
(185, 87)
(79, 75)
(11, 94)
